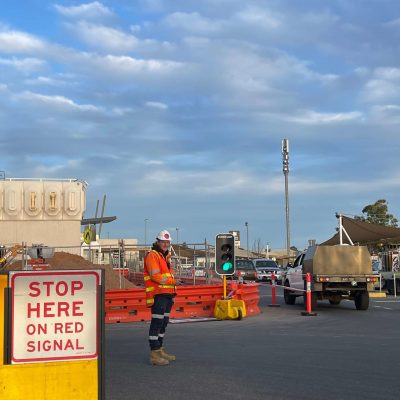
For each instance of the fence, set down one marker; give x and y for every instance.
(192, 262)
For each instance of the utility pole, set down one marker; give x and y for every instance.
(246, 224)
(145, 231)
(285, 161)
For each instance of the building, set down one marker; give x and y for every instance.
(41, 211)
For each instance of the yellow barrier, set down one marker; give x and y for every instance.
(72, 380)
(65, 380)
(3, 285)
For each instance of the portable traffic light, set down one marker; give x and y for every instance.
(225, 254)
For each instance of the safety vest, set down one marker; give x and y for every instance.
(158, 278)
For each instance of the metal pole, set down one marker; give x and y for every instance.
(102, 215)
(97, 208)
(177, 243)
(224, 283)
(247, 235)
(145, 231)
(267, 249)
(119, 263)
(285, 161)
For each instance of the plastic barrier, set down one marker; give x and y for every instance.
(191, 301)
(273, 292)
(308, 311)
(247, 292)
(137, 279)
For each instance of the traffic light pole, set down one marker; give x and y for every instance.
(224, 287)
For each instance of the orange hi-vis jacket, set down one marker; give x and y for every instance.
(158, 278)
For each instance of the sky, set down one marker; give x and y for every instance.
(176, 110)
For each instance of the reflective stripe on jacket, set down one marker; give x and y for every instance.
(158, 278)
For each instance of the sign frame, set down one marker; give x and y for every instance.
(98, 300)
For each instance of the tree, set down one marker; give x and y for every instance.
(377, 213)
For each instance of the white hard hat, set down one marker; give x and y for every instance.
(164, 235)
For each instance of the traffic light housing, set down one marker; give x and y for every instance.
(225, 254)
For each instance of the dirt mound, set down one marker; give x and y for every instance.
(71, 261)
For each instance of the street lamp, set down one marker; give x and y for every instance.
(145, 231)
(246, 224)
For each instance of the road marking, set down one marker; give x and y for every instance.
(387, 301)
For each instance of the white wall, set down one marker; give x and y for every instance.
(41, 211)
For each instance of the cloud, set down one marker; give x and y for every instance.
(156, 104)
(25, 65)
(316, 118)
(59, 103)
(383, 86)
(45, 80)
(260, 17)
(103, 37)
(394, 23)
(386, 114)
(87, 11)
(193, 23)
(124, 67)
(18, 42)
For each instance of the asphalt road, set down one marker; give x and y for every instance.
(339, 354)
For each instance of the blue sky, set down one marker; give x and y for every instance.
(176, 110)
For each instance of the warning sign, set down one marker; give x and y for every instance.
(54, 315)
(88, 235)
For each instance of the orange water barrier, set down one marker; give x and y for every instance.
(129, 305)
(137, 279)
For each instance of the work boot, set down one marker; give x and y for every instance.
(166, 356)
(156, 358)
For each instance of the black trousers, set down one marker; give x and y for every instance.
(160, 311)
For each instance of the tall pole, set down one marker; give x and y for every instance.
(267, 249)
(247, 235)
(145, 231)
(102, 215)
(285, 161)
(177, 243)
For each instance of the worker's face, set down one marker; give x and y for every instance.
(164, 244)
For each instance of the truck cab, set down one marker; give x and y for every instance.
(294, 275)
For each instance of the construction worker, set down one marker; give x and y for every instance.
(160, 292)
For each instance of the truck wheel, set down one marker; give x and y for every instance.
(335, 300)
(313, 300)
(361, 300)
(289, 298)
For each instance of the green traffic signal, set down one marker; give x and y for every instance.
(225, 254)
(227, 266)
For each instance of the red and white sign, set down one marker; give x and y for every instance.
(54, 315)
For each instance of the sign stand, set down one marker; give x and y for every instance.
(52, 335)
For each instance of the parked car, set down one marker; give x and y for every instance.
(246, 268)
(265, 267)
